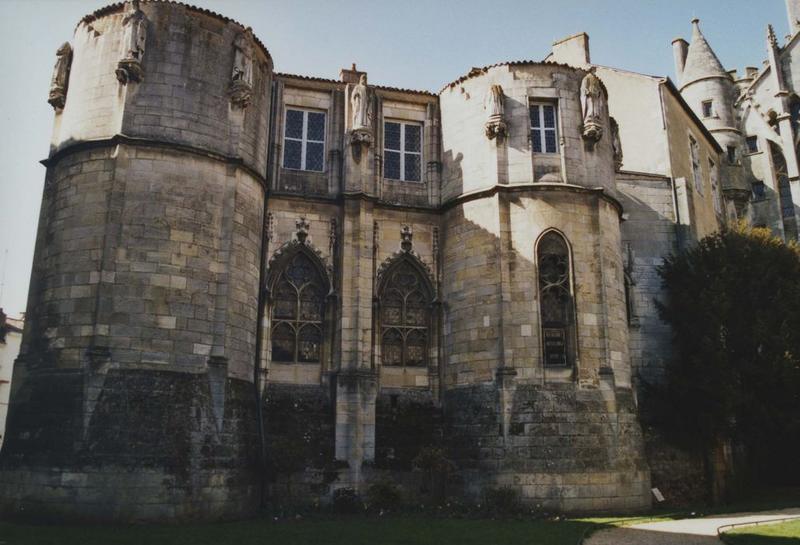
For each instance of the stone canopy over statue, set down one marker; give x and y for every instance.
(241, 89)
(593, 104)
(361, 112)
(129, 68)
(493, 103)
(58, 84)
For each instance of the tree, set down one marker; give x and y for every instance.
(733, 302)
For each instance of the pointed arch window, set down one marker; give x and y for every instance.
(556, 300)
(405, 303)
(297, 312)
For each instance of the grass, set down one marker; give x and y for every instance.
(349, 530)
(786, 533)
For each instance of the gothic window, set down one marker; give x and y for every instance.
(304, 140)
(544, 135)
(555, 299)
(402, 153)
(784, 193)
(298, 305)
(404, 313)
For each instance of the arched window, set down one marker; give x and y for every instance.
(405, 300)
(555, 300)
(298, 306)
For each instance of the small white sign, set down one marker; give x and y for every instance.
(658, 495)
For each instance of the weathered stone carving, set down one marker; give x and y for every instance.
(493, 103)
(406, 237)
(129, 68)
(241, 89)
(301, 226)
(361, 111)
(616, 144)
(593, 98)
(60, 80)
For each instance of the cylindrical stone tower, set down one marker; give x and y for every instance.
(133, 395)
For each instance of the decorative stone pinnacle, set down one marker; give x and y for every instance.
(406, 236)
(302, 229)
(771, 39)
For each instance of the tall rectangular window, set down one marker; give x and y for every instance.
(304, 140)
(708, 108)
(715, 192)
(751, 143)
(694, 153)
(731, 154)
(402, 151)
(544, 134)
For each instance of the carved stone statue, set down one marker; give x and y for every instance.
(129, 68)
(361, 112)
(593, 104)
(241, 89)
(616, 143)
(60, 80)
(493, 103)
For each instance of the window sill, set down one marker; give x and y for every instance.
(393, 180)
(303, 170)
(749, 153)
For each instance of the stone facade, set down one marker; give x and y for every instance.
(251, 286)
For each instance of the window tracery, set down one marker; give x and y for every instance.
(556, 300)
(405, 309)
(297, 312)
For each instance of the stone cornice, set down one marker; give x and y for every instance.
(121, 139)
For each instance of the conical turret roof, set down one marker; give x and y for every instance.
(701, 62)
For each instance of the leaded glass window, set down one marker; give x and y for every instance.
(404, 315)
(555, 296)
(298, 306)
(544, 134)
(304, 140)
(402, 151)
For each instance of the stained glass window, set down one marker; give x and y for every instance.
(405, 311)
(298, 306)
(555, 296)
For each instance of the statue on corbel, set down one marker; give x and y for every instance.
(241, 88)
(129, 68)
(493, 103)
(60, 80)
(593, 107)
(361, 113)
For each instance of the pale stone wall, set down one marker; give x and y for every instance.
(8, 353)
(702, 217)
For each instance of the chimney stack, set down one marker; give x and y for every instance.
(680, 48)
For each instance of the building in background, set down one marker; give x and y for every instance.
(10, 340)
(252, 285)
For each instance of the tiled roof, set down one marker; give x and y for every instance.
(701, 62)
(478, 71)
(336, 81)
(113, 8)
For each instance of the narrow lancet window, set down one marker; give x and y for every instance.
(556, 300)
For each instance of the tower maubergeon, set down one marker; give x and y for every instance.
(133, 395)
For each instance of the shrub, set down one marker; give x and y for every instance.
(502, 501)
(384, 496)
(346, 502)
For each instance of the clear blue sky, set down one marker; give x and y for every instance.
(411, 43)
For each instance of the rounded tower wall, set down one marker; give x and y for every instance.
(139, 356)
(473, 162)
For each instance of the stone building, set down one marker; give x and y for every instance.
(10, 339)
(250, 285)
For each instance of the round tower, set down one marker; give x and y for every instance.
(133, 395)
(537, 391)
(711, 93)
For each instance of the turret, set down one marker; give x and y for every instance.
(710, 91)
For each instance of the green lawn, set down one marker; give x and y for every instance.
(349, 531)
(785, 533)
